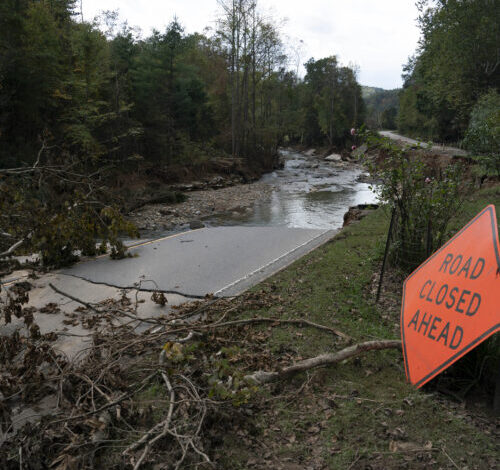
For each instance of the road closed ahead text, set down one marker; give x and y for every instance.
(459, 300)
(451, 302)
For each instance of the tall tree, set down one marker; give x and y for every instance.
(458, 60)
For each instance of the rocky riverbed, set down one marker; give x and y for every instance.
(311, 190)
(200, 204)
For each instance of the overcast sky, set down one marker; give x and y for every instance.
(376, 35)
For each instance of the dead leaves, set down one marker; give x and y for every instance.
(159, 298)
(50, 309)
(65, 462)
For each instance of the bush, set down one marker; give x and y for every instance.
(483, 135)
(424, 198)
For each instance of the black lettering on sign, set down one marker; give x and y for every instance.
(425, 323)
(459, 339)
(444, 334)
(452, 297)
(470, 312)
(461, 300)
(414, 320)
(433, 327)
(446, 262)
(443, 290)
(455, 264)
(422, 295)
(429, 298)
(479, 265)
(465, 268)
(421, 325)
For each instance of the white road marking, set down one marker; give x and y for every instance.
(249, 275)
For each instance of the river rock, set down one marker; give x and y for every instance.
(360, 151)
(310, 152)
(356, 213)
(334, 157)
(195, 224)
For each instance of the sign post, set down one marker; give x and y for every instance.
(451, 302)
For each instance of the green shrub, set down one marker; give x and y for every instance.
(424, 197)
(483, 135)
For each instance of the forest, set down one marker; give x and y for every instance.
(381, 107)
(98, 92)
(451, 84)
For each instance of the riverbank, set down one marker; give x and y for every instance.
(199, 205)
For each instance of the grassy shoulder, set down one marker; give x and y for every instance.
(361, 414)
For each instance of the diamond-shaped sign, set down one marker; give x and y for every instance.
(451, 302)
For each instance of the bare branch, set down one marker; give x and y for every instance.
(262, 377)
(75, 299)
(165, 424)
(13, 248)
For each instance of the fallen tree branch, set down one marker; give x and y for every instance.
(75, 299)
(262, 377)
(165, 424)
(150, 320)
(12, 248)
(249, 321)
(122, 397)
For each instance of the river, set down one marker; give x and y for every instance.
(308, 192)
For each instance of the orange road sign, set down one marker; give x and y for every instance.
(451, 302)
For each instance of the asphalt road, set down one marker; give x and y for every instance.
(439, 148)
(221, 260)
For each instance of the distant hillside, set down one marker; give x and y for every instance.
(381, 107)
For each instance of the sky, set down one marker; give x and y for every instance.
(377, 36)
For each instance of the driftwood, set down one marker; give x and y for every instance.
(262, 377)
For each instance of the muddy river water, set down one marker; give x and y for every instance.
(307, 193)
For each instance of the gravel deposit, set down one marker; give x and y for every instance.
(199, 205)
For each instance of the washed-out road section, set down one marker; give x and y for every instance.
(223, 261)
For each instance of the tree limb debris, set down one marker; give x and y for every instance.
(165, 424)
(12, 248)
(262, 377)
(249, 321)
(74, 299)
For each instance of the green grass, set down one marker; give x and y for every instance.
(370, 402)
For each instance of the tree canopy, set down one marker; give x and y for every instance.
(97, 91)
(457, 61)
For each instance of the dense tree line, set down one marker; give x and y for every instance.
(98, 92)
(456, 64)
(381, 107)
